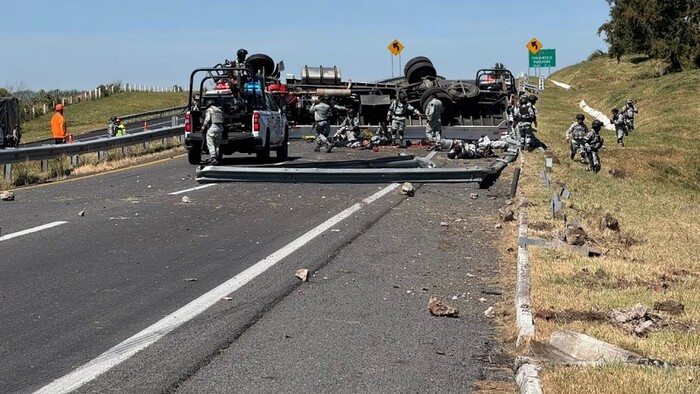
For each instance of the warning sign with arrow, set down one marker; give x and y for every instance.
(395, 47)
(534, 45)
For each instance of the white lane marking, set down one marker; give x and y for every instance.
(148, 336)
(191, 189)
(31, 230)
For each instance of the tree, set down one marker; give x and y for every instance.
(667, 29)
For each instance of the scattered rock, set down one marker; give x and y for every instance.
(610, 222)
(625, 239)
(439, 308)
(185, 199)
(444, 224)
(227, 298)
(474, 196)
(302, 274)
(407, 189)
(490, 313)
(670, 306)
(574, 234)
(617, 173)
(7, 196)
(81, 213)
(482, 299)
(190, 279)
(498, 225)
(635, 320)
(509, 202)
(550, 155)
(506, 214)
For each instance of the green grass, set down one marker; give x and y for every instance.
(92, 115)
(656, 202)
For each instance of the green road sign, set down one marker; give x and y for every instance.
(544, 58)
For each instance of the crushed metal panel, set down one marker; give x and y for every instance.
(375, 99)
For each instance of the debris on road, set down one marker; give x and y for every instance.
(227, 298)
(407, 189)
(185, 199)
(7, 196)
(444, 224)
(302, 274)
(506, 214)
(473, 196)
(439, 308)
(81, 213)
(635, 320)
(190, 279)
(490, 313)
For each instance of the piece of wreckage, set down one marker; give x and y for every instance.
(476, 112)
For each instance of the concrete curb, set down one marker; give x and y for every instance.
(596, 114)
(527, 373)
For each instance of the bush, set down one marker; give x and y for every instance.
(597, 54)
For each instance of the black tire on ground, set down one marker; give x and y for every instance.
(461, 89)
(420, 70)
(444, 97)
(260, 61)
(283, 151)
(264, 153)
(194, 155)
(414, 61)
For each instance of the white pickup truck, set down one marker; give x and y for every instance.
(253, 123)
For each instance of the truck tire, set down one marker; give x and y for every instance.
(194, 155)
(461, 89)
(283, 151)
(260, 61)
(420, 70)
(413, 61)
(444, 97)
(264, 153)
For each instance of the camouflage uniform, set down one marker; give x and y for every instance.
(433, 129)
(322, 115)
(398, 111)
(348, 131)
(525, 116)
(214, 126)
(628, 111)
(618, 119)
(592, 143)
(576, 134)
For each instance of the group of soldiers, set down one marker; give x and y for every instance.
(587, 143)
(349, 134)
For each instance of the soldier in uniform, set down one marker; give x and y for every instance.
(398, 111)
(349, 130)
(524, 117)
(618, 119)
(592, 143)
(433, 128)
(322, 112)
(575, 134)
(532, 100)
(628, 111)
(213, 126)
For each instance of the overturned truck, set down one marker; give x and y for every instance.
(472, 107)
(10, 132)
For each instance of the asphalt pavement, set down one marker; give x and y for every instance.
(139, 252)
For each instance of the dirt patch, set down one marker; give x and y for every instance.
(541, 226)
(617, 173)
(571, 315)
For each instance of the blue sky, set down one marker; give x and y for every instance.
(80, 44)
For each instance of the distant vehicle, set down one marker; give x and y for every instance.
(253, 122)
(10, 131)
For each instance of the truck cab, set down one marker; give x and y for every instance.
(253, 122)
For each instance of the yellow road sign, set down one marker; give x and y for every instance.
(534, 45)
(395, 47)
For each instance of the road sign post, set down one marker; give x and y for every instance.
(395, 47)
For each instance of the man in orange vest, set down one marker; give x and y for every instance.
(58, 126)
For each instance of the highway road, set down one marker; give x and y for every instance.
(142, 280)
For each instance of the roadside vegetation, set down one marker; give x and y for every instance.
(651, 186)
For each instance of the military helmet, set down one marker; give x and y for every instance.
(580, 117)
(402, 96)
(532, 98)
(629, 101)
(209, 103)
(241, 52)
(523, 100)
(596, 124)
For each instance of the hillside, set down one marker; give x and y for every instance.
(651, 187)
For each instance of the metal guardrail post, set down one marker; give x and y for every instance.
(7, 169)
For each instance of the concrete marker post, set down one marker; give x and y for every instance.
(7, 170)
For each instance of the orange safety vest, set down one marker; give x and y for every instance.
(58, 126)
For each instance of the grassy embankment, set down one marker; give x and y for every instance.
(651, 186)
(88, 116)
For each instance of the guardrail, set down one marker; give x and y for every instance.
(150, 114)
(45, 152)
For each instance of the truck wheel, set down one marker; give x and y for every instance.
(260, 61)
(413, 61)
(420, 70)
(194, 155)
(444, 97)
(264, 153)
(461, 89)
(283, 151)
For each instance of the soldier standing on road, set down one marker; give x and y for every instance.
(112, 127)
(629, 110)
(433, 128)
(398, 111)
(322, 114)
(618, 119)
(575, 134)
(58, 126)
(213, 126)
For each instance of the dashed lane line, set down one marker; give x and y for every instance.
(31, 230)
(191, 189)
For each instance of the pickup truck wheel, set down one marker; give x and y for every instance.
(283, 151)
(264, 153)
(194, 155)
